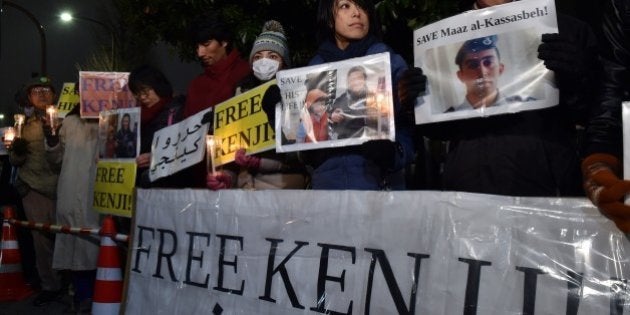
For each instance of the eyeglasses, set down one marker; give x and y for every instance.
(41, 90)
(474, 64)
(144, 92)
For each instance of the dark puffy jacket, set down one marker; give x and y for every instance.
(604, 132)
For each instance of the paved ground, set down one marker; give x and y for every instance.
(25, 307)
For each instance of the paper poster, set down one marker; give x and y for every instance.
(625, 112)
(335, 104)
(485, 62)
(100, 91)
(240, 122)
(68, 99)
(178, 146)
(119, 133)
(114, 187)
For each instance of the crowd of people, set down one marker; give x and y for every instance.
(539, 152)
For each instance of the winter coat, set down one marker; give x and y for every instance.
(347, 167)
(604, 132)
(530, 153)
(34, 172)
(76, 155)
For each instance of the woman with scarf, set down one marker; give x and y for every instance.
(349, 29)
(159, 109)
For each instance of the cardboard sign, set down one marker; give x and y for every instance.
(241, 123)
(101, 91)
(68, 99)
(114, 187)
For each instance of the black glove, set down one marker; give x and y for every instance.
(51, 140)
(412, 83)
(208, 118)
(570, 62)
(382, 152)
(269, 102)
(19, 146)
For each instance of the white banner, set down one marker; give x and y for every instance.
(178, 146)
(351, 252)
(485, 62)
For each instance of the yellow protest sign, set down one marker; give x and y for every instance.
(113, 188)
(241, 123)
(68, 99)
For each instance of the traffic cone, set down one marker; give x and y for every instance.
(12, 285)
(109, 285)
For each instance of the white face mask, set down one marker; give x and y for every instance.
(265, 68)
(29, 110)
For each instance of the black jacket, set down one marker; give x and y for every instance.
(604, 131)
(530, 153)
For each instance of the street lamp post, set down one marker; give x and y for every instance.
(40, 29)
(67, 17)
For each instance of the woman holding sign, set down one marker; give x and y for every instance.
(349, 29)
(267, 170)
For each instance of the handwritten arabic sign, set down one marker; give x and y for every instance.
(114, 186)
(241, 123)
(178, 146)
(68, 99)
(101, 91)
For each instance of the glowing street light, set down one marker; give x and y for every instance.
(67, 17)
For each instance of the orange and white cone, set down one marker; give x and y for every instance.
(12, 285)
(109, 284)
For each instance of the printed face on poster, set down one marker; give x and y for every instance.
(335, 104)
(119, 133)
(485, 62)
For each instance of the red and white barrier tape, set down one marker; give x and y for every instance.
(65, 229)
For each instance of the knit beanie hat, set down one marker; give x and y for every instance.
(272, 38)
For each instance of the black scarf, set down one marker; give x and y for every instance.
(329, 51)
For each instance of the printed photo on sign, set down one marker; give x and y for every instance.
(100, 91)
(119, 133)
(335, 104)
(485, 62)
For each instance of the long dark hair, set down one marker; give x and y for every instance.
(326, 19)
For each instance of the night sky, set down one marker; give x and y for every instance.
(67, 45)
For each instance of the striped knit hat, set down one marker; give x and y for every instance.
(272, 38)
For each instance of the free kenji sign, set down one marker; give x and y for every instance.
(351, 252)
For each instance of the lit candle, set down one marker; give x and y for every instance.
(51, 110)
(211, 145)
(9, 134)
(19, 122)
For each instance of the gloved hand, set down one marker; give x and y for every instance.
(218, 180)
(411, 84)
(604, 188)
(19, 146)
(51, 140)
(270, 100)
(382, 152)
(570, 62)
(208, 118)
(249, 161)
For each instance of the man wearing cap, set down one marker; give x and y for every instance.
(37, 182)
(480, 67)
